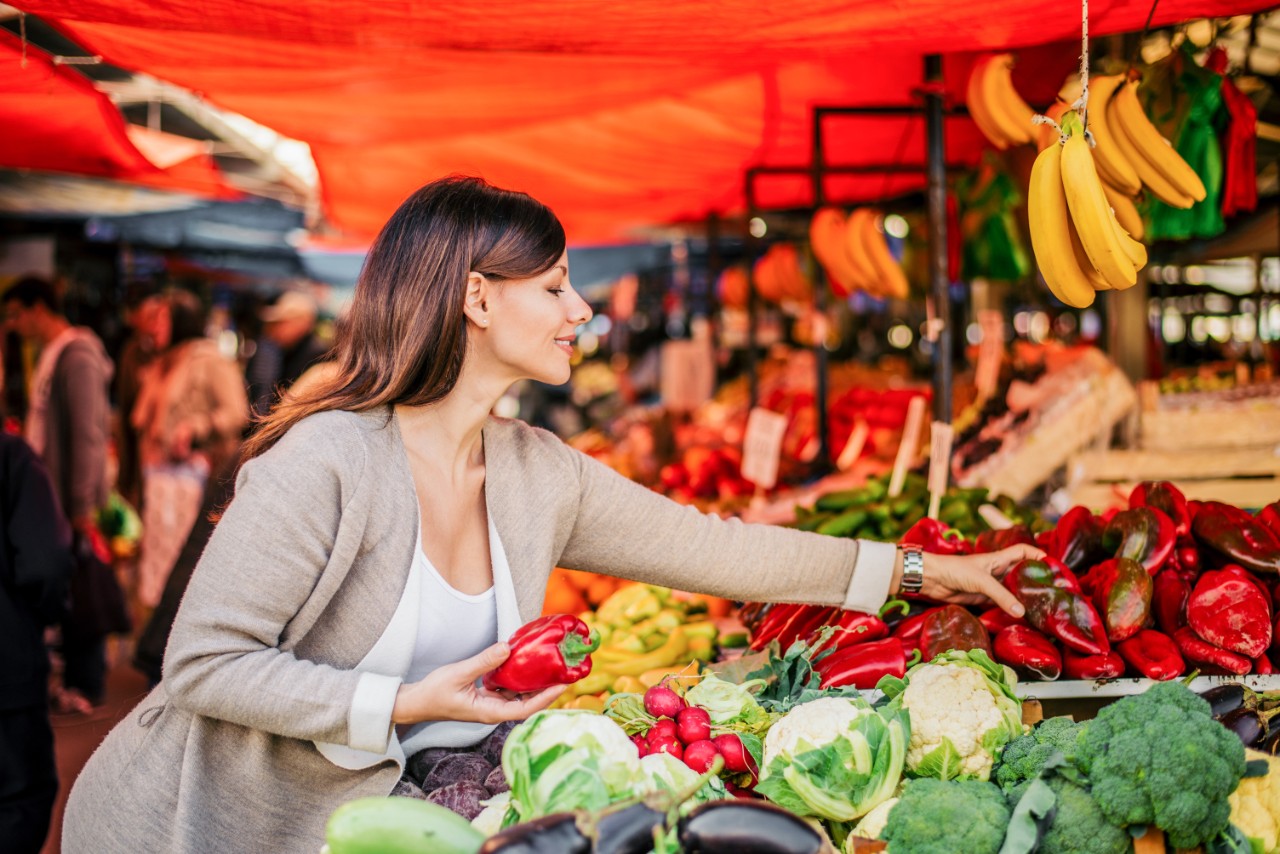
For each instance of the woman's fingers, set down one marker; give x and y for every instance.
(1002, 561)
(478, 665)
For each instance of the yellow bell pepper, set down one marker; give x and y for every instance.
(587, 702)
(599, 679)
(628, 685)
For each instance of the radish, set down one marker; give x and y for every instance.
(693, 724)
(639, 741)
(736, 757)
(662, 702)
(700, 755)
(666, 745)
(665, 729)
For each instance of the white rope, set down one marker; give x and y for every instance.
(1082, 103)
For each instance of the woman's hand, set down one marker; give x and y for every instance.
(974, 579)
(451, 693)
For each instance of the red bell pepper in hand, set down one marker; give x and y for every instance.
(952, 627)
(852, 627)
(1121, 591)
(1230, 610)
(1029, 653)
(1169, 600)
(995, 619)
(1237, 536)
(1056, 605)
(1168, 499)
(1143, 534)
(1152, 654)
(863, 665)
(994, 541)
(1211, 660)
(1077, 540)
(551, 650)
(935, 538)
(1077, 666)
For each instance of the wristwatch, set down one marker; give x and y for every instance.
(912, 568)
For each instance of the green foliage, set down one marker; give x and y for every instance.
(1160, 758)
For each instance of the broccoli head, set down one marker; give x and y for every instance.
(1160, 758)
(937, 817)
(1078, 826)
(1023, 757)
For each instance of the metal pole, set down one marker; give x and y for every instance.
(939, 284)
(822, 464)
(753, 301)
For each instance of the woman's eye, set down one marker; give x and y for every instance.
(556, 291)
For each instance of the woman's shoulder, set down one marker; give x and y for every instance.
(526, 439)
(337, 430)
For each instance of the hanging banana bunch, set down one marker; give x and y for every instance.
(854, 253)
(1001, 114)
(1078, 241)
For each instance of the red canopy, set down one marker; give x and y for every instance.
(615, 114)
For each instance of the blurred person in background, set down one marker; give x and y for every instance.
(68, 425)
(35, 566)
(142, 316)
(287, 347)
(191, 411)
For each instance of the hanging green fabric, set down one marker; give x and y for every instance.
(993, 244)
(1197, 93)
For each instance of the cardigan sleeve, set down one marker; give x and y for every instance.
(263, 561)
(623, 529)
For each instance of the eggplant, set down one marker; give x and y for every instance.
(1226, 698)
(628, 830)
(745, 827)
(557, 833)
(1247, 724)
(1271, 744)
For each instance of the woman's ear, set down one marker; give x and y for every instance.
(476, 303)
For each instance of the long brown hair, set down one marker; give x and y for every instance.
(405, 336)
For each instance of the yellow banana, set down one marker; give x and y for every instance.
(1126, 211)
(1163, 156)
(1113, 166)
(980, 109)
(856, 249)
(1133, 250)
(1051, 231)
(1091, 213)
(893, 281)
(1141, 154)
(1010, 113)
(826, 235)
(1082, 258)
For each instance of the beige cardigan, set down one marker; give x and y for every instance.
(301, 578)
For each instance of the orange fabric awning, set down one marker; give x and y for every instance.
(616, 114)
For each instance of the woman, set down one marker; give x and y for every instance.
(190, 412)
(387, 532)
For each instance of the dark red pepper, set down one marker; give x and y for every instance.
(1077, 541)
(1121, 590)
(936, 538)
(952, 627)
(1230, 610)
(852, 627)
(1077, 666)
(1153, 655)
(995, 619)
(994, 541)
(1187, 557)
(551, 650)
(863, 665)
(908, 631)
(1169, 600)
(1269, 518)
(1211, 660)
(1029, 653)
(1168, 499)
(1056, 605)
(1143, 534)
(1237, 537)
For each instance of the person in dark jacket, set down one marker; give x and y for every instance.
(288, 346)
(35, 566)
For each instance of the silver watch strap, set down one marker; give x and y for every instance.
(912, 568)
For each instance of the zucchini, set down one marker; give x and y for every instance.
(399, 826)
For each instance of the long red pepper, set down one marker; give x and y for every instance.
(1077, 540)
(853, 627)
(935, 538)
(1056, 605)
(1077, 666)
(995, 619)
(1122, 592)
(1210, 659)
(551, 650)
(1169, 600)
(1230, 610)
(1152, 654)
(863, 665)
(908, 631)
(806, 621)
(1168, 499)
(772, 623)
(1028, 652)
(1144, 534)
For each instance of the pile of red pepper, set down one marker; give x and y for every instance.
(1163, 587)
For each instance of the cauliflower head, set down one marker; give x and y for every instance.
(872, 824)
(958, 724)
(817, 723)
(1255, 804)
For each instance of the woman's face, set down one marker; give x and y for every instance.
(532, 324)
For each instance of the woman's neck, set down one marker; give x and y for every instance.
(449, 431)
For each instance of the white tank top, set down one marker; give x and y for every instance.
(451, 626)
